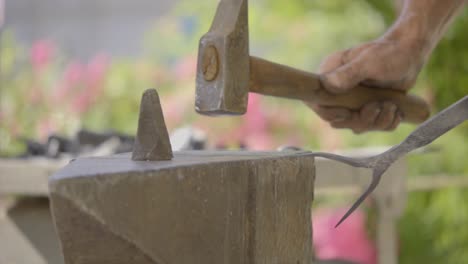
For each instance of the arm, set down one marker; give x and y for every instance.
(392, 61)
(422, 23)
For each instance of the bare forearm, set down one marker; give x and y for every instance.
(422, 23)
(391, 62)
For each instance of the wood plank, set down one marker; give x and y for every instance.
(27, 177)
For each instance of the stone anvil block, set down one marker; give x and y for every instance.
(200, 207)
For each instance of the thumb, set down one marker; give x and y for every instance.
(345, 77)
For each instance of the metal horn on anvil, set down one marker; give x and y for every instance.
(152, 139)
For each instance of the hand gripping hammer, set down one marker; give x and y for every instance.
(226, 74)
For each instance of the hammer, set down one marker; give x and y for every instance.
(226, 74)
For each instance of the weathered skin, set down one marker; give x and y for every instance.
(392, 61)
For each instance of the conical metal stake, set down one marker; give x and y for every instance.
(152, 140)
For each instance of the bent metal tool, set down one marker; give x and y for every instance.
(426, 133)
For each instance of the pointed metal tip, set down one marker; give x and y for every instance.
(345, 216)
(339, 222)
(152, 139)
(376, 175)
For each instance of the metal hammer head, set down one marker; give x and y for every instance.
(222, 84)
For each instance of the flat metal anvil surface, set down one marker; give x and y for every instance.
(199, 207)
(226, 73)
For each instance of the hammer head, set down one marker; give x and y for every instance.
(222, 82)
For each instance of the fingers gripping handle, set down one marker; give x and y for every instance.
(414, 109)
(278, 80)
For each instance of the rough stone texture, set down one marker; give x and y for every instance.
(200, 207)
(152, 140)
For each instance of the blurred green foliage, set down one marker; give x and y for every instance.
(432, 229)
(299, 33)
(448, 67)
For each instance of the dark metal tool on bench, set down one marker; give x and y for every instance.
(226, 73)
(426, 133)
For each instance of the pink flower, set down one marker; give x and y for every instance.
(45, 127)
(95, 74)
(74, 73)
(82, 102)
(348, 242)
(72, 79)
(173, 110)
(35, 95)
(85, 83)
(255, 118)
(186, 68)
(259, 142)
(254, 131)
(42, 52)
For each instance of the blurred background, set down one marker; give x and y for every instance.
(70, 65)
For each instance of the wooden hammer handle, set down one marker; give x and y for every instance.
(278, 80)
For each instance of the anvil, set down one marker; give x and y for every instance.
(159, 206)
